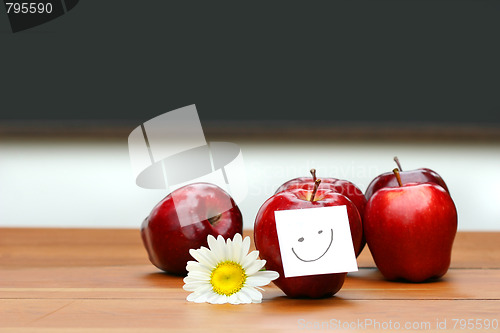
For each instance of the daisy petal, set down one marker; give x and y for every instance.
(233, 299)
(194, 286)
(210, 239)
(201, 298)
(237, 243)
(191, 287)
(196, 254)
(200, 295)
(212, 298)
(194, 266)
(204, 289)
(211, 256)
(245, 247)
(193, 297)
(204, 276)
(229, 249)
(203, 256)
(249, 259)
(221, 299)
(243, 296)
(221, 243)
(213, 245)
(238, 237)
(191, 279)
(254, 267)
(261, 278)
(218, 247)
(255, 295)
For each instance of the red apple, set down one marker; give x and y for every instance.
(184, 219)
(341, 186)
(422, 175)
(266, 239)
(410, 231)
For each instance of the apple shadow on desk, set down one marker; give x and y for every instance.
(290, 305)
(163, 279)
(368, 283)
(373, 274)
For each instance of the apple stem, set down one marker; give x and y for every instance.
(214, 219)
(398, 176)
(313, 173)
(396, 159)
(316, 186)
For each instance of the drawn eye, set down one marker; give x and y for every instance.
(320, 232)
(301, 239)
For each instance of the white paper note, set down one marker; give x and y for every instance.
(315, 241)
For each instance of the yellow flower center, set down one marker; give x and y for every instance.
(227, 278)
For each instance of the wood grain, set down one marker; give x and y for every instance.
(49, 247)
(470, 250)
(84, 280)
(147, 282)
(280, 314)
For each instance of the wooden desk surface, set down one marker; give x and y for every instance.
(88, 280)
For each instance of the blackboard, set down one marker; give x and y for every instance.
(334, 61)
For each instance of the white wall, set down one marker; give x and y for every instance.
(78, 183)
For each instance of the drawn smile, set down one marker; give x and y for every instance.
(311, 260)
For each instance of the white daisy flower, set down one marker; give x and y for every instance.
(226, 273)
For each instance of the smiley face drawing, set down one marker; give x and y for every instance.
(314, 242)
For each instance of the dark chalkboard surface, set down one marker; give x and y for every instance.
(334, 61)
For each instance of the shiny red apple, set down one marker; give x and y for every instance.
(184, 219)
(344, 187)
(388, 179)
(266, 239)
(410, 231)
